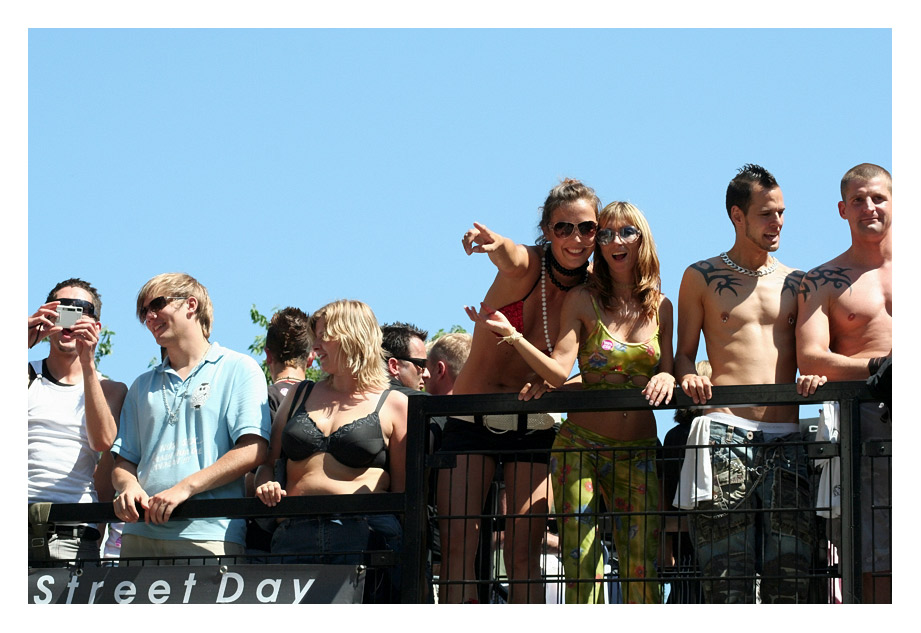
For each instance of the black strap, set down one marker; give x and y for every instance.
(306, 384)
(522, 422)
(380, 402)
(32, 374)
(38, 530)
(296, 404)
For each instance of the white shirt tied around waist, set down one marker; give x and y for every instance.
(696, 480)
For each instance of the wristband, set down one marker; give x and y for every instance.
(875, 364)
(511, 338)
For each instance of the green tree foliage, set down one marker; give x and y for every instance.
(104, 346)
(441, 332)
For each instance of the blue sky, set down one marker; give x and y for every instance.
(295, 167)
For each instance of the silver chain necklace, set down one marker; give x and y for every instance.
(173, 415)
(745, 271)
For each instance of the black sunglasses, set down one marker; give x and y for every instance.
(88, 308)
(564, 229)
(628, 235)
(418, 362)
(156, 305)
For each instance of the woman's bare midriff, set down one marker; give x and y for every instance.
(635, 425)
(323, 474)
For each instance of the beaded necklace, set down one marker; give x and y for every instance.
(550, 260)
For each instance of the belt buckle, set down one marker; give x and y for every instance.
(499, 429)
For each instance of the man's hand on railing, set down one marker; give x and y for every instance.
(162, 504)
(806, 385)
(697, 387)
(126, 501)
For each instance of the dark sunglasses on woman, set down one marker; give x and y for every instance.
(564, 229)
(628, 235)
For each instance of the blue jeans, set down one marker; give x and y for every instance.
(760, 519)
(344, 540)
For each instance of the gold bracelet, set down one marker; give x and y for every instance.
(511, 338)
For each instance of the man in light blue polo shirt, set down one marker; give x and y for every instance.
(192, 426)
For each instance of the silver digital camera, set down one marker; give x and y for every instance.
(68, 315)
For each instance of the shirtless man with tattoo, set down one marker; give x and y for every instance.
(745, 302)
(844, 330)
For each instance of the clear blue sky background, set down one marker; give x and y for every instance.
(295, 167)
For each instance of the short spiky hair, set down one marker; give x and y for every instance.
(82, 285)
(863, 171)
(288, 337)
(452, 349)
(397, 336)
(739, 192)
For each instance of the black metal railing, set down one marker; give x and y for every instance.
(410, 506)
(850, 447)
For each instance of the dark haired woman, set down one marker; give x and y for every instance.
(531, 283)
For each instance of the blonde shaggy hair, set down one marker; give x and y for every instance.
(646, 274)
(179, 285)
(353, 324)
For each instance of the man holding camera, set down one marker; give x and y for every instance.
(72, 414)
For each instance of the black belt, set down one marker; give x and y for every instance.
(82, 532)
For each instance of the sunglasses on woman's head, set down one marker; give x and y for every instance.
(564, 229)
(628, 235)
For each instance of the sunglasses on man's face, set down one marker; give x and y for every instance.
(564, 229)
(88, 308)
(418, 362)
(628, 235)
(156, 305)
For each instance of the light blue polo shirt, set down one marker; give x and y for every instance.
(223, 399)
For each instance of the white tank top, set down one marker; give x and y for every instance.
(61, 462)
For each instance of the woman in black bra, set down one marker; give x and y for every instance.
(345, 434)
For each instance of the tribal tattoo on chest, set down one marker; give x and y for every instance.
(723, 278)
(836, 276)
(792, 283)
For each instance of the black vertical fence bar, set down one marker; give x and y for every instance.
(415, 517)
(850, 555)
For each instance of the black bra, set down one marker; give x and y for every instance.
(359, 444)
